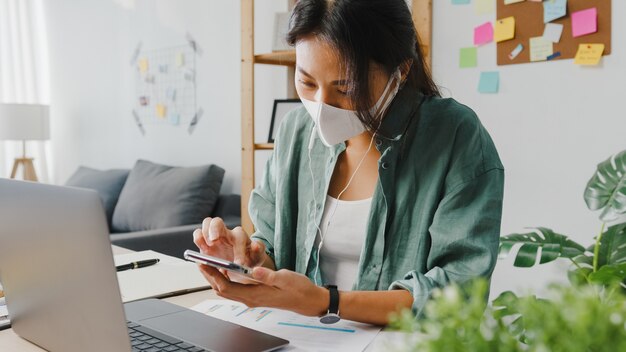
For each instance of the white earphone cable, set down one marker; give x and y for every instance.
(332, 214)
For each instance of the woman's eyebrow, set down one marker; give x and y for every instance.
(304, 72)
(341, 82)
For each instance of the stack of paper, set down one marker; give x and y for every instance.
(303, 333)
(170, 276)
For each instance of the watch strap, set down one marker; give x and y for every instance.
(333, 305)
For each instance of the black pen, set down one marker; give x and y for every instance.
(137, 265)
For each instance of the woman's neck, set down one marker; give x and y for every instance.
(359, 143)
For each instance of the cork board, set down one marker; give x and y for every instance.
(529, 23)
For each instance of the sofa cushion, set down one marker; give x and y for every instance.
(158, 196)
(108, 184)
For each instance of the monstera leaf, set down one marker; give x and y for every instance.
(553, 246)
(613, 246)
(607, 188)
(611, 260)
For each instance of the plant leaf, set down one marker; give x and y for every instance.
(505, 305)
(609, 274)
(613, 246)
(553, 246)
(606, 190)
(577, 276)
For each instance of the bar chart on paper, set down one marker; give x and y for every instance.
(304, 333)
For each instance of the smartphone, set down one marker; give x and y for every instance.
(238, 272)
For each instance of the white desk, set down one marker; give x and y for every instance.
(9, 341)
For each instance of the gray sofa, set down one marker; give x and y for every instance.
(175, 240)
(156, 206)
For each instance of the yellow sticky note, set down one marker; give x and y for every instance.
(180, 59)
(540, 49)
(484, 7)
(589, 54)
(143, 65)
(509, 2)
(161, 110)
(504, 29)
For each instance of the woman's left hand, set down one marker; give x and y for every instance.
(283, 289)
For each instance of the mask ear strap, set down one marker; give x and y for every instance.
(386, 93)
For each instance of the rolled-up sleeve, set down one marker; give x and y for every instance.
(262, 208)
(464, 237)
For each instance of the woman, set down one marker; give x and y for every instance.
(378, 185)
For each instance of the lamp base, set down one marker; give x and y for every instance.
(27, 167)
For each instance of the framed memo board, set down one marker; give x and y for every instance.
(529, 23)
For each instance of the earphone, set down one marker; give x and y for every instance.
(332, 214)
(381, 112)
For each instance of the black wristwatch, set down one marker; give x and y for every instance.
(332, 316)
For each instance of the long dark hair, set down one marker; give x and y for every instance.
(362, 31)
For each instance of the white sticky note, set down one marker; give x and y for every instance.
(540, 49)
(553, 32)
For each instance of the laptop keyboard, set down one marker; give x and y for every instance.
(145, 339)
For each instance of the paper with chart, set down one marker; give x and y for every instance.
(304, 333)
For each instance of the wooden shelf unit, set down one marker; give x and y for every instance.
(422, 17)
(282, 58)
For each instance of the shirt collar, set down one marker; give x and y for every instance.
(400, 112)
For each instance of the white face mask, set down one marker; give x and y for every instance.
(336, 125)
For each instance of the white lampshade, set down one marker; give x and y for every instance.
(24, 122)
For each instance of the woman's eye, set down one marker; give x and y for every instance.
(307, 84)
(342, 92)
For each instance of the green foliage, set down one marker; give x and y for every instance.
(602, 263)
(572, 319)
(552, 245)
(606, 190)
(589, 316)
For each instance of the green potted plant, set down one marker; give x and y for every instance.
(579, 317)
(604, 261)
(571, 318)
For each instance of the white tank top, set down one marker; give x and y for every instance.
(344, 237)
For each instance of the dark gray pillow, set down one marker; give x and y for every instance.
(107, 183)
(159, 196)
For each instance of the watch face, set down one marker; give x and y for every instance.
(329, 318)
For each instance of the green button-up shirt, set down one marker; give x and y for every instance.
(436, 210)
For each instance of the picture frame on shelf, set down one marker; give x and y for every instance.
(281, 108)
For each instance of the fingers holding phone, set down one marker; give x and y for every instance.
(215, 239)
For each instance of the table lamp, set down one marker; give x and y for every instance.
(24, 122)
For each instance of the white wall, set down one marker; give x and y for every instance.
(552, 122)
(92, 83)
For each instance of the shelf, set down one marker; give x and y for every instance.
(264, 146)
(282, 58)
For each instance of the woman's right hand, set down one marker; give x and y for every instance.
(216, 240)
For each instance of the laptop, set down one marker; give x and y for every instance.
(60, 282)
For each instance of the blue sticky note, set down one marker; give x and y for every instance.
(553, 9)
(489, 82)
(174, 119)
(460, 2)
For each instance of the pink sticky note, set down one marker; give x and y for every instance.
(584, 22)
(483, 34)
